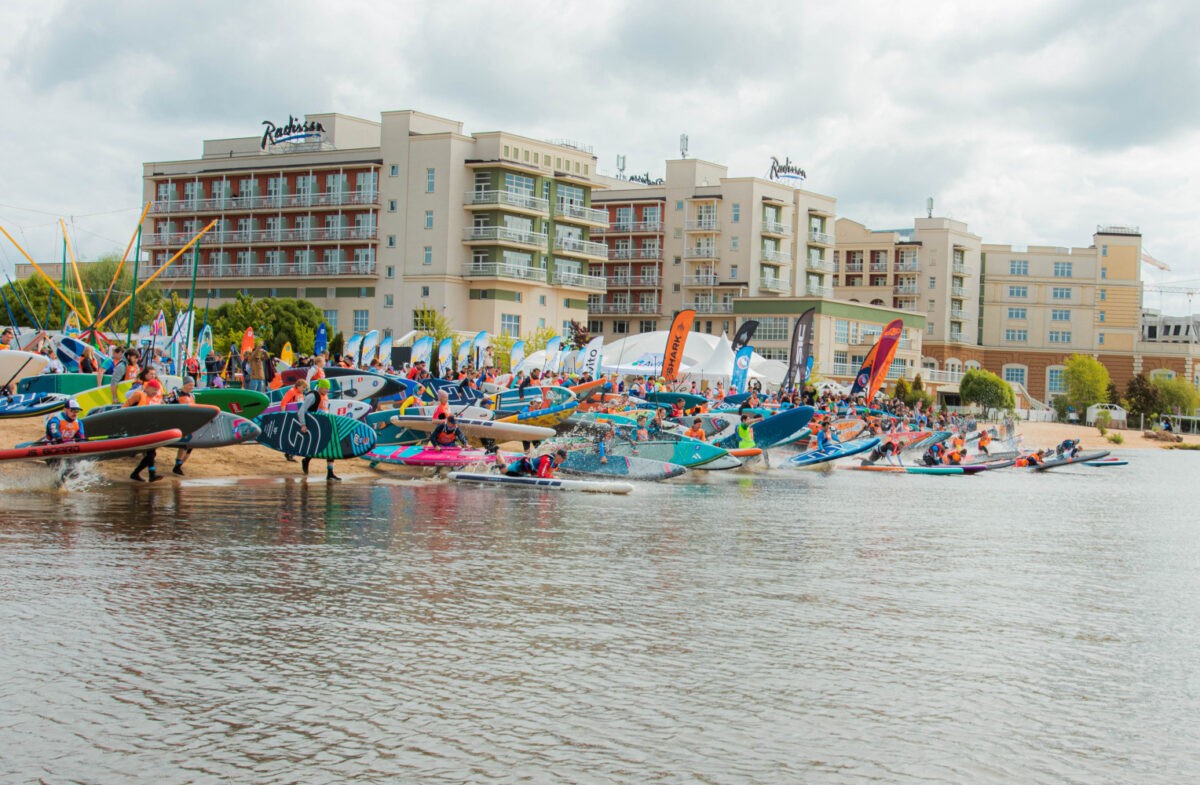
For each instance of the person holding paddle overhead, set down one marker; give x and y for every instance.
(317, 399)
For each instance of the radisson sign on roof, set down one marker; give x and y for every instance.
(786, 170)
(294, 131)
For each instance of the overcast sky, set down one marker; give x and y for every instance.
(1031, 121)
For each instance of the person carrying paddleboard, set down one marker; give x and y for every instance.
(186, 396)
(149, 394)
(294, 395)
(65, 425)
(447, 434)
(317, 399)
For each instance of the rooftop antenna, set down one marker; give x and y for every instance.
(683, 144)
(620, 167)
(929, 207)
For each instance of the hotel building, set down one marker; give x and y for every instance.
(382, 223)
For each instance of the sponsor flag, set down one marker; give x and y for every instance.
(808, 366)
(464, 354)
(369, 345)
(159, 325)
(204, 344)
(741, 368)
(385, 352)
(445, 356)
(247, 340)
(516, 356)
(676, 339)
(321, 339)
(422, 350)
(801, 348)
(889, 341)
(287, 355)
(477, 346)
(553, 361)
(862, 379)
(589, 362)
(743, 335)
(350, 349)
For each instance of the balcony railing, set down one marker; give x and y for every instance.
(631, 227)
(703, 225)
(959, 268)
(633, 281)
(584, 247)
(268, 270)
(247, 236)
(517, 272)
(700, 280)
(624, 308)
(958, 313)
(819, 265)
(705, 306)
(854, 267)
(503, 234)
(958, 291)
(769, 255)
(775, 227)
(581, 213)
(956, 336)
(819, 237)
(907, 267)
(269, 201)
(635, 253)
(879, 267)
(702, 252)
(905, 290)
(847, 370)
(820, 291)
(594, 282)
(773, 284)
(516, 199)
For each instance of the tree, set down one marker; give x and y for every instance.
(276, 320)
(1141, 397)
(986, 389)
(1176, 396)
(578, 337)
(1086, 380)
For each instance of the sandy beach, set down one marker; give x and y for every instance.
(252, 460)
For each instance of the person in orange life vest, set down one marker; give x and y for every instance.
(677, 408)
(316, 370)
(696, 431)
(447, 434)
(985, 438)
(125, 370)
(149, 394)
(65, 425)
(317, 399)
(6, 338)
(184, 396)
(442, 410)
(541, 466)
(294, 395)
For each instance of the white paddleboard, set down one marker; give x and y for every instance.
(16, 365)
(479, 429)
(544, 483)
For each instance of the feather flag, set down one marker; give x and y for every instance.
(287, 355)
(204, 344)
(464, 354)
(552, 351)
(369, 345)
(516, 356)
(351, 348)
(384, 353)
(589, 358)
(743, 335)
(889, 341)
(445, 356)
(422, 349)
(248, 340)
(676, 340)
(801, 349)
(159, 325)
(477, 347)
(741, 368)
(321, 339)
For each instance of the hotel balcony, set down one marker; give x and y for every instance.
(905, 289)
(705, 225)
(780, 257)
(619, 307)
(633, 281)
(820, 238)
(272, 236)
(958, 268)
(819, 265)
(619, 254)
(956, 336)
(958, 313)
(819, 291)
(706, 306)
(268, 202)
(577, 212)
(514, 199)
(595, 283)
(586, 248)
(768, 284)
(907, 267)
(703, 252)
(854, 267)
(879, 267)
(183, 269)
(700, 280)
(631, 227)
(515, 272)
(502, 234)
(776, 228)
(958, 291)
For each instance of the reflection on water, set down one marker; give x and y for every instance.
(796, 627)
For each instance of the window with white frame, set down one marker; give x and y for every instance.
(841, 331)
(1015, 374)
(1060, 314)
(331, 320)
(1060, 293)
(737, 212)
(395, 170)
(510, 325)
(427, 255)
(772, 328)
(362, 320)
(1062, 269)
(388, 301)
(1055, 384)
(1018, 292)
(430, 180)
(1018, 267)
(1060, 336)
(1016, 336)
(1018, 313)
(429, 219)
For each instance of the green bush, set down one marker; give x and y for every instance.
(1115, 438)
(1103, 420)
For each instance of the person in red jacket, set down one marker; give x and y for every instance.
(541, 466)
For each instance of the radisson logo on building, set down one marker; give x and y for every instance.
(786, 170)
(294, 131)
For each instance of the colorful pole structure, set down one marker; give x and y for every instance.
(135, 237)
(38, 267)
(158, 272)
(87, 309)
(137, 258)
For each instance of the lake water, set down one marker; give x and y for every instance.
(794, 627)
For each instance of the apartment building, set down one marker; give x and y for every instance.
(700, 239)
(382, 223)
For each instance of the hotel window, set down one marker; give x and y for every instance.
(733, 272)
(734, 242)
(306, 185)
(526, 156)
(1060, 336)
(424, 291)
(679, 204)
(1103, 294)
(1100, 338)
(1016, 336)
(577, 172)
(1104, 250)
(388, 301)
(519, 184)
(362, 321)
(1017, 313)
(932, 282)
(1018, 291)
(558, 163)
(622, 327)
(166, 192)
(391, 241)
(331, 321)
(1014, 374)
(1103, 273)
(678, 233)
(430, 180)
(392, 205)
(1061, 293)
(647, 326)
(395, 170)
(335, 183)
(429, 219)
(1018, 267)
(1060, 314)
(1100, 316)
(506, 154)
(428, 255)
(510, 325)
(1054, 381)
(541, 299)
(389, 271)
(737, 212)
(248, 187)
(841, 331)
(773, 328)
(1062, 269)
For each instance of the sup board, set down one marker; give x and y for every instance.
(245, 403)
(477, 429)
(31, 404)
(343, 407)
(224, 430)
(136, 420)
(423, 455)
(545, 483)
(1083, 457)
(92, 448)
(666, 398)
(359, 386)
(71, 349)
(777, 429)
(328, 435)
(100, 396)
(65, 383)
(1107, 462)
(546, 418)
(16, 365)
(634, 468)
(834, 452)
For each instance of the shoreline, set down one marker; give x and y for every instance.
(246, 461)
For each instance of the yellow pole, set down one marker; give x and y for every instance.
(124, 257)
(37, 267)
(78, 281)
(116, 309)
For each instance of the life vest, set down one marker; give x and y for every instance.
(745, 436)
(131, 371)
(985, 439)
(696, 433)
(60, 429)
(293, 395)
(446, 437)
(184, 398)
(442, 411)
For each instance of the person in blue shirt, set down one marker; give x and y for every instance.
(65, 426)
(826, 438)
